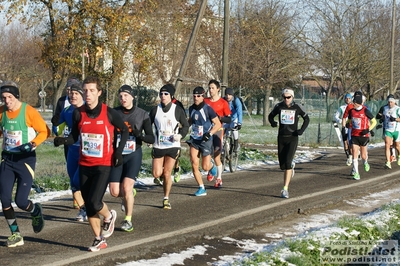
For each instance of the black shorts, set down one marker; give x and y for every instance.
(130, 167)
(360, 141)
(171, 152)
(204, 147)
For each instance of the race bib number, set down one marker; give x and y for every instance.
(165, 139)
(12, 139)
(92, 145)
(356, 123)
(197, 132)
(288, 117)
(130, 145)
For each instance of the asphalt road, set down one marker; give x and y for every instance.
(247, 200)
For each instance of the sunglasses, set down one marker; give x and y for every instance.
(164, 93)
(197, 95)
(287, 97)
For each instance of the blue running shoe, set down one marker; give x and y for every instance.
(201, 192)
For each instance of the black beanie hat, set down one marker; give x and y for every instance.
(77, 87)
(199, 90)
(168, 88)
(72, 81)
(358, 99)
(10, 87)
(229, 91)
(126, 88)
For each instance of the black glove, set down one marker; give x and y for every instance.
(27, 147)
(136, 133)
(238, 127)
(299, 132)
(364, 131)
(392, 119)
(55, 119)
(117, 159)
(207, 136)
(343, 131)
(379, 126)
(274, 124)
(372, 133)
(60, 141)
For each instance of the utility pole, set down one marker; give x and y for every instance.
(392, 47)
(190, 46)
(225, 52)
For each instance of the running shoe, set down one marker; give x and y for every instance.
(284, 193)
(366, 167)
(212, 173)
(293, 165)
(127, 226)
(398, 160)
(218, 183)
(82, 217)
(158, 181)
(201, 192)
(166, 204)
(37, 218)
(388, 165)
(356, 176)
(177, 176)
(108, 227)
(349, 160)
(98, 244)
(15, 240)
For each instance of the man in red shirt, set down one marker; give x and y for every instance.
(362, 122)
(221, 108)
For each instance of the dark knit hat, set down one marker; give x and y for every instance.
(358, 99)
(77, 87)
(10, 87)
(358, 93)
(168, 88)
(127, 89)
(72, 81)
(229, 91)
(199, 90)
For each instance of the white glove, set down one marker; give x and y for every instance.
(177, 137)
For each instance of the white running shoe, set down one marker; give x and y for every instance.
(108, 227)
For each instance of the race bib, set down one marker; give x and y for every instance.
(197, 132)
(13, 139)
(165, 139)
(288, 117)
(92, 145)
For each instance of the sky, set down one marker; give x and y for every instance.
(312, 224)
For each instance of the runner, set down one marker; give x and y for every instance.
(177, 168)
(338, 119)
(236, 116)
(288, 133)
(123, 177)
(379, 118)
(75, 96)
(171, 126)
(23, 129)
(221, 108)
(96, 125)
(390, 114)
(205, 124)
(362, 122)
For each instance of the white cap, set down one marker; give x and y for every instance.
(289, 91)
